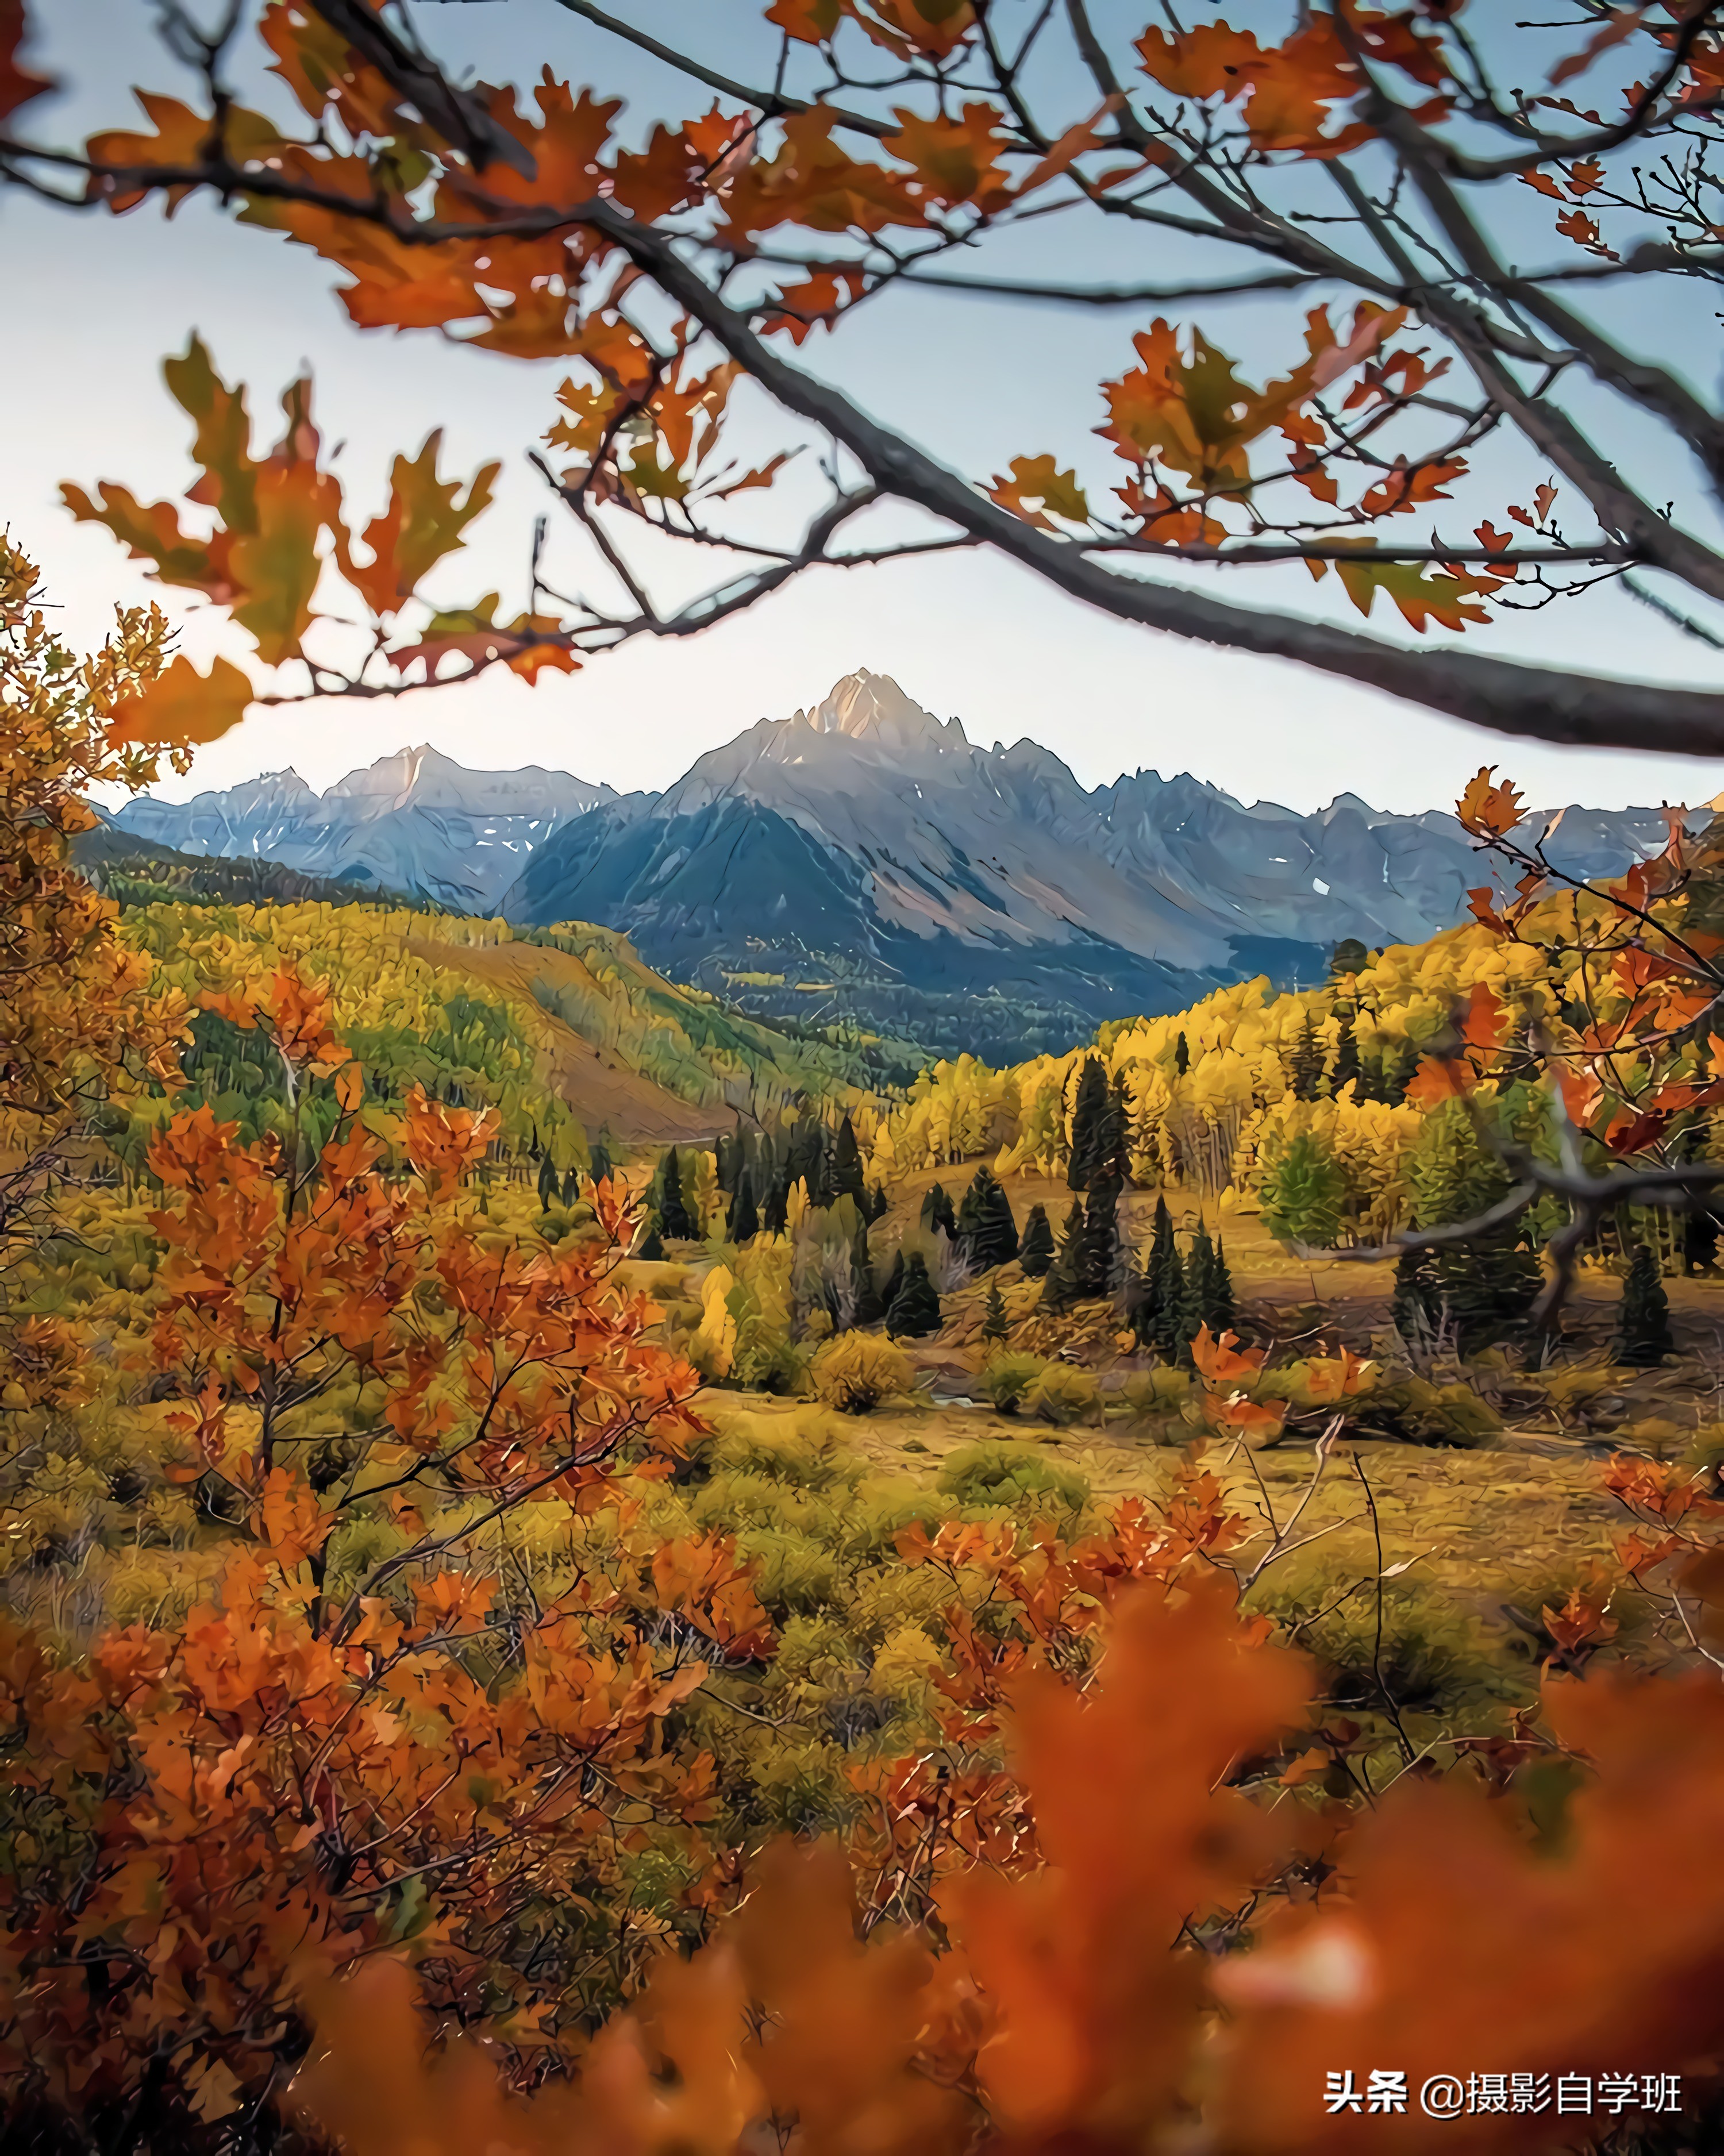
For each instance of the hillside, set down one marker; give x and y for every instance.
(572, 1041)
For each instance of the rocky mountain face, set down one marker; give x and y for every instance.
(416, 821)
(863, 862)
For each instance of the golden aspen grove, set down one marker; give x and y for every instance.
(611, 1543)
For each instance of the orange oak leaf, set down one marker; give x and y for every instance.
(182, 705)
(1489, 811)
(1438, 1079)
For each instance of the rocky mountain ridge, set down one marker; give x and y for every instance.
(863, 862)
(416, 821)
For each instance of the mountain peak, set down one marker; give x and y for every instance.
(872, 708)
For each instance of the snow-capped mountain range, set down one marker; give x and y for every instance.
(865, 859)
(416, 821)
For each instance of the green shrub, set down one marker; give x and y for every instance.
(738, 1497)
(803, 1447)
(876, 1514)
(855, 1372)
(1006, 1378)
(993, 1473)
(792, 1571)
(1061, 1393)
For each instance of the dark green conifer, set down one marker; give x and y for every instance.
(877, 1205)
(1643, 1325)
(673, 1219)
(1181, 1056)
(1222, 1309)
(1305, 1064)
(1348, 956)
(598, 1167)
(1135, 1303)
(1346, 1056)
(915, 1310)
(775, 1207)
(650, 1243)
(1196, 1289)
(987, 1233)
(806, 1161)
(938, 1212)
(1036, 1252)
(744, 1215)
(1116, 1149)
(1089, 1130)
(847, 1164)
(893, 1281)
(1061, 1288)
(869, 1307)
(547, 1184)
(1165, 1335)
(1098, 1270)
(995, 1326)
(571, 1186)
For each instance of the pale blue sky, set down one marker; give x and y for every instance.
(95, 301)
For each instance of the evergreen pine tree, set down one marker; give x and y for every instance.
(1347, 1057)
(571, 1186)
(1304, 1193)
(1060, 1287)
(847, 1164)
(673, 1219)
(806, 1161)
(1181, 1056)
(995, 1326)
(1487, 1287)
(938, 1212)
(1135, 1302)
(775, 1207)
(1099, 1242)
(1416, 1306)
(1349, 955)
(915, 1310)
(745, 1216)
(1305, 1066)
(1036, 1252)
(987, 1233)
(877, 1205)
(1089, 1130)
(650, 1243)
(1222, 1309)
(1197, 1288)
(1643, 1325)
(1116, 1146)
(1157, 1283)
(869, 1308)
(893, 1281)
(727, 1161)
(599, 1165)
(1168, 1315)
(547, 1184)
